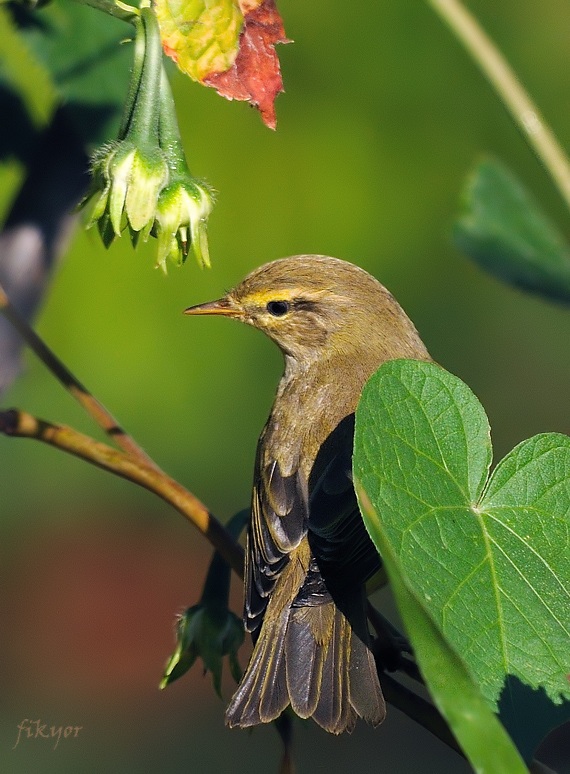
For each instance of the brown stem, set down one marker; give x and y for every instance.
(23, 425)
(132, 463)
(96, 410)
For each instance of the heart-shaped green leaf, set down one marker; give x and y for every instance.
(452, 686)
(491, 561)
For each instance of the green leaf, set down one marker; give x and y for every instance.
(452, 686)
(24, 77)
(503, 229)
(491, 563)
(81, 49)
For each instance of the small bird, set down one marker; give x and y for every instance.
(308, 553)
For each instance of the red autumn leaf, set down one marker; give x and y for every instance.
(255, 75)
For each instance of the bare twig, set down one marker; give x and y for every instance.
(505, 82)
(96, 410)
(132, 463)
(23, 425)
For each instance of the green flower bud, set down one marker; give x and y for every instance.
(142, 181)
(128, 175)
(129, 180)
(117, 169)
(181, 218)
(210, 631)
(148, 175)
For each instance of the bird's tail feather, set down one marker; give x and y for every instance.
(309, 657)
(262, 693)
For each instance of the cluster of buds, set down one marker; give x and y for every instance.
(208, 630)
(142, 181)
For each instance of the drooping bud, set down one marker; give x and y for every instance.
(210, 629)
(142, 181)
(181, 217)
(128, 175)
(186, 203)
(211, 632)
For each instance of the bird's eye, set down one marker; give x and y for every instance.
(277, 308)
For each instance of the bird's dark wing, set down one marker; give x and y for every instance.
(338, 538)
(278, 524)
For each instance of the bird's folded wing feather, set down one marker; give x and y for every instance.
(279, 514)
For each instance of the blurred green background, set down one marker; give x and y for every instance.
(383, 116)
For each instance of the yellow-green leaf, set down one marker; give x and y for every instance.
(201, 36)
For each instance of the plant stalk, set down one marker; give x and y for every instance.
(169, 132)
(117, 9)
(505, 82)
(143, 124)
(20, 424)
(138, 60)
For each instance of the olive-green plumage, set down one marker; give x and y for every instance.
(308, 554)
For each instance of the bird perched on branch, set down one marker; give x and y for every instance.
(308, 553)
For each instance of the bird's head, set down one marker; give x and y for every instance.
(315, 307)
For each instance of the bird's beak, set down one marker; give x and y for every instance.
(222, 306)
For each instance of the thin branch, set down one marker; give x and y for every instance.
(23, 425)
(418, 709)
(40, 221)
(96, 410)
(536, 767)
(515, 98)
(391, 649)
(132, 463)
(429, 717)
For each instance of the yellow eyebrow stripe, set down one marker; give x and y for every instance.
(261, 297)
(283, 294)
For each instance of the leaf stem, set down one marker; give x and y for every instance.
(505, 82)
(143, 125)
(20, 424)
(169, 131)
(429, 717)
(114, 8)
(138, 60)
(217, 583)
